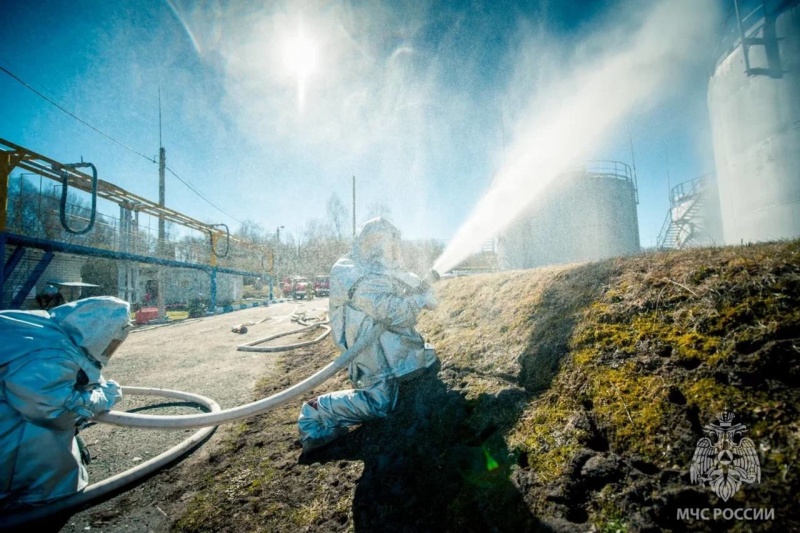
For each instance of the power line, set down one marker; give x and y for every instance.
(198, 193)
(106, 135)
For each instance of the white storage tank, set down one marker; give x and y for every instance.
(754, 106)
(587, 215)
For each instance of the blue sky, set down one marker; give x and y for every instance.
(421, 101)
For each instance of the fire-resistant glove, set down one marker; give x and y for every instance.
(89, 403)
(113, 392)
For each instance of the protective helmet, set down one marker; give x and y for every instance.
(98, 325)
(377, 244)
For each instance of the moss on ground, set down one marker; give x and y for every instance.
(675, 339)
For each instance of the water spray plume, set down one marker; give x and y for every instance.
(606, 91)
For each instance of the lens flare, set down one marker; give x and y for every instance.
(491, 464)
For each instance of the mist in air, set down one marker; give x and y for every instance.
(366, 92)
(427, 105)
(625, 68)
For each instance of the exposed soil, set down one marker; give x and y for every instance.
(568, 399)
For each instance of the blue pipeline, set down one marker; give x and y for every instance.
(13, 239)
(77, 249)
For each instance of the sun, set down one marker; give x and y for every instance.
(300, 56)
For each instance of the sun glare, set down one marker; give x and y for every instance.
(300, 56)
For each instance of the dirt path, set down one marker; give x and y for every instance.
(199, 356)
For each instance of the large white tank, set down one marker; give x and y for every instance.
(754, 105)
(589, 214)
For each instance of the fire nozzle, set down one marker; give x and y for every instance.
(432, 276)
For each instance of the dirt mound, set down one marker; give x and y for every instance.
(567, 399)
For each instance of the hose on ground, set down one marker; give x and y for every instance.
(308, 326)
(243, 411)
(122, 479)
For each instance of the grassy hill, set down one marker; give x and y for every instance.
(568, 398)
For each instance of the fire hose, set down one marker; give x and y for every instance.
(206, 421)
(122, 479)
(243, 411)
(253, 345)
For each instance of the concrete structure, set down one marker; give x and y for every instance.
(587, 215)
(754, 105)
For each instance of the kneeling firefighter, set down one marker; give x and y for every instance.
(368, 290)
(50, 383)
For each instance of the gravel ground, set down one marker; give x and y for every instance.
(195, 355)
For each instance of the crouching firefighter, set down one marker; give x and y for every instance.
(50, 384)
(369, 290)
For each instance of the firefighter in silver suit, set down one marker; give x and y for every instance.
(50, 384)
(369, 290)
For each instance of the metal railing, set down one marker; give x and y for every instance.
(663, 234)
(603, 168)
(686, 190)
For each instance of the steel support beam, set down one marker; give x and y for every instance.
(33, 277)
(2, 262)
(213, 287)
(8, 160)
(12, 262)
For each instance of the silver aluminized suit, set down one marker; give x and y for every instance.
(367, 291)
(50, 382)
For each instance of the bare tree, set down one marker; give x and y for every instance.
(39, 215)
(337, 215)
(379, 209)
(252, 231)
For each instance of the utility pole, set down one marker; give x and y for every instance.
(162, 164)
(354, 207)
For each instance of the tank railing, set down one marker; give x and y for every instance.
(686, 190)
(606, 168)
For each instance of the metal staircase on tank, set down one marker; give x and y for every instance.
(685, 222)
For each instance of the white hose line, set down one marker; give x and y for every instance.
(243, 411)
(253, 346)
(122, 479)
